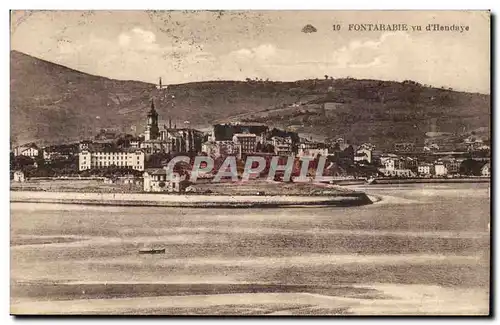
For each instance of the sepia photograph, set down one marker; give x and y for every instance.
(250, 162)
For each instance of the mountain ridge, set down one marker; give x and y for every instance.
(52, 103)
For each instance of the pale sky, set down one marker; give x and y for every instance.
(184, 47)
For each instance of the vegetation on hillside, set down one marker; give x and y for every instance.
(51, 103)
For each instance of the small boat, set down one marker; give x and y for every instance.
(152, 251)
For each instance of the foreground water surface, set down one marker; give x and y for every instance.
(421, 249)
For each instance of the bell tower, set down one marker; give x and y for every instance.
(152, 131)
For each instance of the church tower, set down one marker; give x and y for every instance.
(152, 131)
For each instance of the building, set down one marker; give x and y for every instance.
(282, 145)
(132, 159)
(404, 147)
(30, 150)
(452, 165)
(397, 172)
(182, 140)
(154, 146)
(217, 149)
(312, 149)
(440, 169)
(226, 132)
(168, 139)
(486, 170)
(160, 86)
(85, 145)
(395, 166)
(411, 163)
(338, 144)
(156, 180)
(152, 130)
(395, 163)
(63, 151)
(431, 147)
(473, 143)
(248, 142)
(424, 169)
(363, 154)
(135, 143)
(19, 176)
(105, 135)
(367, 145)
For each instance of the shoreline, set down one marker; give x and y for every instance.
(192, 200)
(430, 180)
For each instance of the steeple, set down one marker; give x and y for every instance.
(152, 111)
(152, 131)
(160, 82)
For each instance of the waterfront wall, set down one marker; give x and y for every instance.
(431, 180)
(192, 200)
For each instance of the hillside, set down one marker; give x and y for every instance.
(51, 103)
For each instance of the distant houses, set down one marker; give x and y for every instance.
(111, 152)
(312, 149)
(29, 150)
(395, 166)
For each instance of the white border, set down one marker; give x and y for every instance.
(187, 4)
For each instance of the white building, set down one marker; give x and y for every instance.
(363, 154)
(84, 145)
(397, 172)
(248, 142)
(100, 159)
(30, 150)
(19, 176)
(486, 170)
(135, 143)
(367, 145)
(390, 164)
(156, 180)
(424, 169)
(440, 169)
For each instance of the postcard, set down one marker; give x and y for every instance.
(250, 163)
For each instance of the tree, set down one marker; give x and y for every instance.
(349, 152)
(326, 76)
(21, 162)
(471, 167)
(269, 148)
(258, 147)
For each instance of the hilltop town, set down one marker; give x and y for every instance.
(139, 160)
